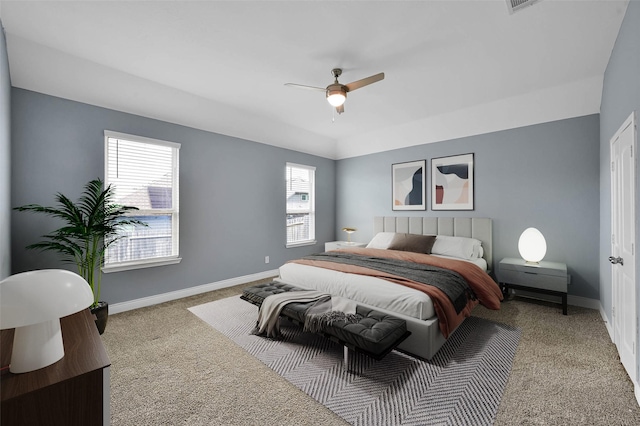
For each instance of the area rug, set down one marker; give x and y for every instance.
(461, 385)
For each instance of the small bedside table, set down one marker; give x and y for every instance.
(544, 277)
(335, 245)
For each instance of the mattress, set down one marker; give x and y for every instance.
(372, 291)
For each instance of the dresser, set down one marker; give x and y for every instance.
(544, 277)
(72, 391)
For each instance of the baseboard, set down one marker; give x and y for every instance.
(607, 324)
(191, 291)
(605, 319)
(583, 302)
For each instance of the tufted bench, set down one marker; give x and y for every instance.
(375, 334)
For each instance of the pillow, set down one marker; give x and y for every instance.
(461, 247)
(413, 242)
(381, 240)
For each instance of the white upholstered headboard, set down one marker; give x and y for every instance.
(471, 227)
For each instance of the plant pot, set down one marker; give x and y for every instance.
(102, 314)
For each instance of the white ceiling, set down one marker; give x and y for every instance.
(452, 68)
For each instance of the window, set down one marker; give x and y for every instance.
(301, 209)
(143, 173)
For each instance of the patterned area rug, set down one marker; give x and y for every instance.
(461, 385)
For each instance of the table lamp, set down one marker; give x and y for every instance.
(532, 245)
(349, 231)
(33, 303)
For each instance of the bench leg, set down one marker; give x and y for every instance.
(353, 362)
(349, 363)
(345, 351)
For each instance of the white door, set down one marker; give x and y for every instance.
(622, 243)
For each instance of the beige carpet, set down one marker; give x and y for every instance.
(169, 367)
(462, 385)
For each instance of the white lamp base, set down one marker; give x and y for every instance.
(36, 346)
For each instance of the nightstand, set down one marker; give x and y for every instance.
(335, 245)
(544, 277)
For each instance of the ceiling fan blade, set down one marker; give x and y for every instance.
(302, 86)
(364, 82)
(340, 109)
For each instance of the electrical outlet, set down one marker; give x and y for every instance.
(266, 259)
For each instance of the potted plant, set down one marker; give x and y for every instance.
(91, 225)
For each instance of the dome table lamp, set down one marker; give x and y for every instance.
(349, 231)
(532, 246)
(33, 303)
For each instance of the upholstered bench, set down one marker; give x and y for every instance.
(375, 334)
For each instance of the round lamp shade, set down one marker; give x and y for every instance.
(532, 245)
(36, 296)
(33, 303)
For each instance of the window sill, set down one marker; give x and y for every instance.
(301, 244)
(140, 265)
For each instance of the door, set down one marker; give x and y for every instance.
(623, 267)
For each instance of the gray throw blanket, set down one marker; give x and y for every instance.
(269, 313)
(449, 282)
(325, 311)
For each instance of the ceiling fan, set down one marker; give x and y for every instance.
(337, 93)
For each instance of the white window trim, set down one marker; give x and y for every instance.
(135, 138)
(149, 263)
(312, 207)
(140, 264)
(302, 243)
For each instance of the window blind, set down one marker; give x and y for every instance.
(300, 199)
(144, 173)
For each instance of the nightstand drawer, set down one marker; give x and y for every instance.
(534, 279)
(335, 245)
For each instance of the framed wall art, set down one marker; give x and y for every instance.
(452, 183)
(408, 185)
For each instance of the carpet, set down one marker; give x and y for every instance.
(461, 385)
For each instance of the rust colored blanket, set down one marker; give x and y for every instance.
(485, 289)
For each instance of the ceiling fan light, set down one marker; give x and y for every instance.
(336, 97)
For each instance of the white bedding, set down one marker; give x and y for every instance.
(478, 262)
(369, 290)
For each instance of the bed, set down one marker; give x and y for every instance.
(429, 319)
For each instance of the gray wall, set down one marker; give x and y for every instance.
(232, 193)
(620, 96)
(544, 176)
(5, 160)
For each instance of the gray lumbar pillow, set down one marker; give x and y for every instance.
(413, 242)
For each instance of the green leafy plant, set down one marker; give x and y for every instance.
(91, 225)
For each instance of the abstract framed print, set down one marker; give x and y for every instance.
(452, 183)
(408, 183)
